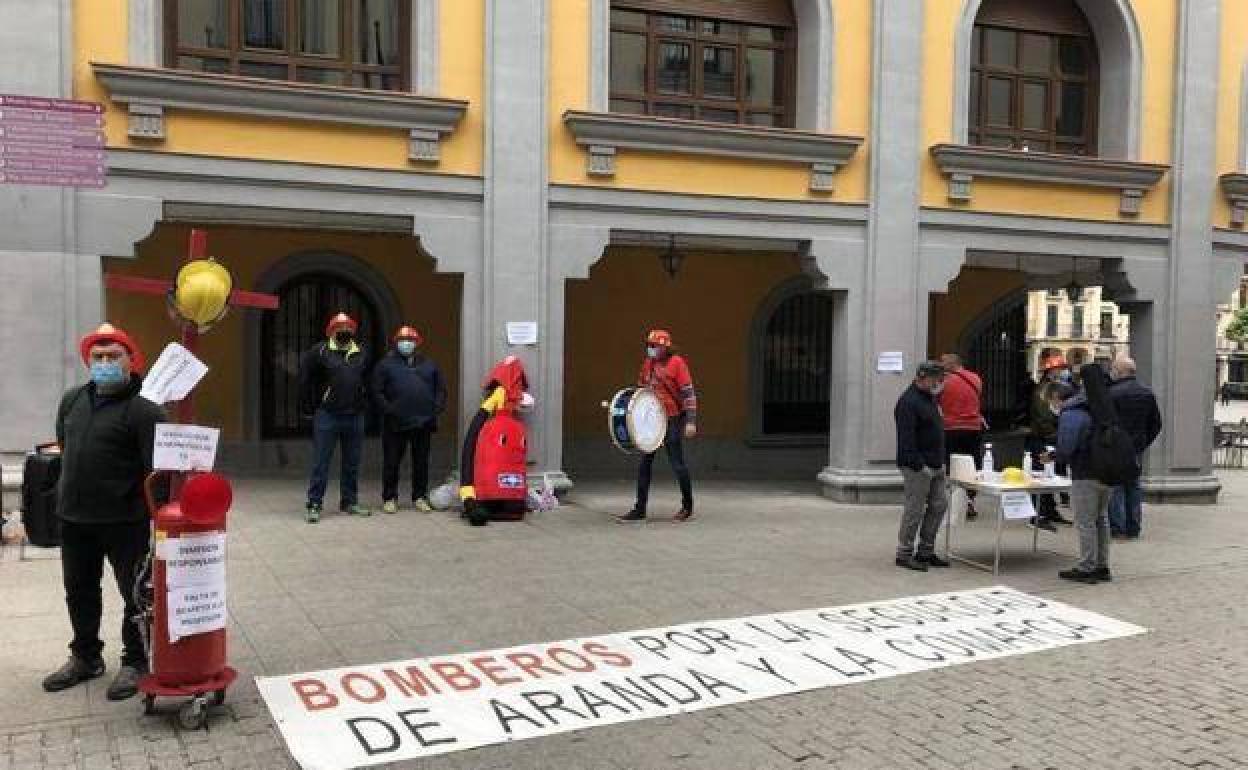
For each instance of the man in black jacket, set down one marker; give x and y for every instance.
(1139, 415)
(105, 431)
(921, 459)
(332, 390)
(410, 393)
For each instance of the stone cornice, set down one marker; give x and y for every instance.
(148, 91)
(962, 163)
(602, 133)
(1235, 188)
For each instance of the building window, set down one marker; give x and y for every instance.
(1033, 78)
(1050, 322)
(358, 43)
(1076, 321)
(718, 61)
(797, 366)
(1107, 325)
(307, 301)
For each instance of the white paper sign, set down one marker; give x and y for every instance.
(891, 361)
(388, 712)
(194, 583)
(522, 332)
(184, 447)
(1017, 505)
(195, 610)
(193, 559)
(173, 375)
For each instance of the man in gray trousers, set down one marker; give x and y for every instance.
(921, 458)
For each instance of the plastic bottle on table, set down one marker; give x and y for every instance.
(1050, 468)
(989, 466)
(1027, 465)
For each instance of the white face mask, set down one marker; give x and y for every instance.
(406, 347)
(526, 402)
(1055, 409)
(652, 352)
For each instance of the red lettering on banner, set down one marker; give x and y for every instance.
(309, 689)
(489, 665)
(607, 655)
(557, 653)
(531, 664)
(456, 676)
(348, 686)
(415, 683)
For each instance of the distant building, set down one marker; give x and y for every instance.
(1086, 329)
(1232, 356)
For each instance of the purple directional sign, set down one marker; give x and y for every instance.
(51, 142)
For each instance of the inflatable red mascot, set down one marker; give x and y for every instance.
(493, 480)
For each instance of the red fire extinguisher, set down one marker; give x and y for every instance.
(187, 541)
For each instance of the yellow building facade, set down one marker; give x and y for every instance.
(792, 187)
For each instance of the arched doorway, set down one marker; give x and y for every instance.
(307, 301)
(995, 346)
(795, 353)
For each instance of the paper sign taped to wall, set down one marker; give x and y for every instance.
(891, 361)
(522, 332)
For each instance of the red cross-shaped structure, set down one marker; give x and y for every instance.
(197, 249)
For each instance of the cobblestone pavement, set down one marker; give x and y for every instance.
(392, 587)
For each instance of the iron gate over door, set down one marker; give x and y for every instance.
(307, 303)
(997, 351)
(797, 359)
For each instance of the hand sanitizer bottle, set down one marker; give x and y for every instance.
(1050, 468)
(1027, 465)
(989, 467)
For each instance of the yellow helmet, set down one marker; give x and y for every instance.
(1013, 476)
(202, 291)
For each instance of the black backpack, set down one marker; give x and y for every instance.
(1111, 453)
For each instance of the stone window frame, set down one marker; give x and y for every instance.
(146, 43)
(816, 65)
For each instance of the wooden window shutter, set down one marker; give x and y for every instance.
(770, 13)
(1057, 17)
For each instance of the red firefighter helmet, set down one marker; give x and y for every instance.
(107, 333)
(659, 337)
(408, 333)
(340, 321)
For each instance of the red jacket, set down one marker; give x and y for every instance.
(961, 399)
(671, 381)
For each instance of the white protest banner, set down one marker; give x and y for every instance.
(195, 610)
(388, 712)
(184, 447)
(1017, 505)
(193, 559)
(173, 375)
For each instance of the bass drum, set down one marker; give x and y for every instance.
(637, 421)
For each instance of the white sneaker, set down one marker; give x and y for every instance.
(422, 505)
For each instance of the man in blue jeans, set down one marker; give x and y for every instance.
(1138, 413)
(332, 389)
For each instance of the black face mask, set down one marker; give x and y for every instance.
(343, 338)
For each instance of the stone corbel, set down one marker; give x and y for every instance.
(146, 121)
(962, 163)
(1235, 188)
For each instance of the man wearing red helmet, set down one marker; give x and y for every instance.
(332, 390)
(106, 433)
(668, 376)
(410, 393)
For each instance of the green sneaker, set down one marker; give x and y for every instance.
(390, 506)
(355, 509)
(423, 505)
(312, 514)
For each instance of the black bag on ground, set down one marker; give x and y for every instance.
(39, 478)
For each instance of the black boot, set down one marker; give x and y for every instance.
(476, 513)
(74, 671)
